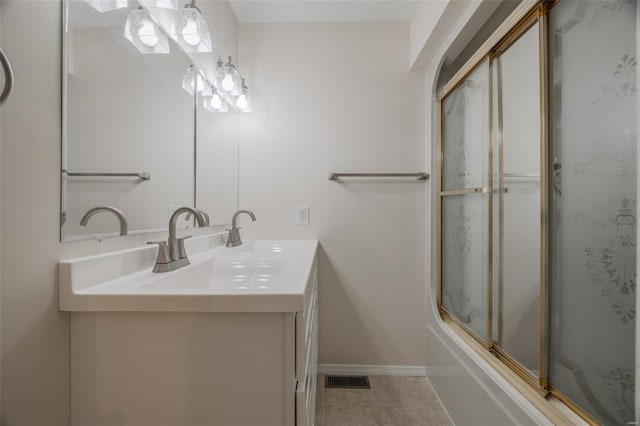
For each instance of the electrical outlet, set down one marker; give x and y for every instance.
(302, 215)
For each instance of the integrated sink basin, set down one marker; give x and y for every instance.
(258, 276)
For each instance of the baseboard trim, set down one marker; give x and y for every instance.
(373, 370)
(446, 371)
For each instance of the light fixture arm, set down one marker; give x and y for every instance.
(191, 4)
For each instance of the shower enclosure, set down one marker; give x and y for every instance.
(537, 258)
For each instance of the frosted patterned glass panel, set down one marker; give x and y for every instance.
(520, 213)
(464, 260)
(593, 206)
(466, 131)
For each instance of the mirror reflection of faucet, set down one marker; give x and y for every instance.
(203, 213)
(234, 239)
(171, 253)
(109, 209)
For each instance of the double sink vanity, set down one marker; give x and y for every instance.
(185, 331)
(229, 339)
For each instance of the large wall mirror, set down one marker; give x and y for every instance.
(135, 137)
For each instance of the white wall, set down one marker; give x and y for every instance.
(637, 394)
(422, 25)
(35, 379)
(339, 97)
(35, 335)
(1, 244)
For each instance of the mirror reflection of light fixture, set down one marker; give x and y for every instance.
(228, 80)
(216, 103)
(243, 102)
(167, 4)
(144, 33)
(190, 30)
(194, 81)
(107, 5)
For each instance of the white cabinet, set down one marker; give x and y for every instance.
(196, 368)
(307, 356)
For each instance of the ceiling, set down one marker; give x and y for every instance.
(300, 11)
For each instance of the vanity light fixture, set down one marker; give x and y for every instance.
(107, 5)
(216, 103)
(243, 102)
(144, 33)
(190, 30)
(228, 79)
(166, 4)
(194, 81)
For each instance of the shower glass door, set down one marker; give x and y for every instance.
(593, 206)
(538, 167)
(464, 197)
(517, 201)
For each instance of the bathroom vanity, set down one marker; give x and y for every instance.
(229, 340)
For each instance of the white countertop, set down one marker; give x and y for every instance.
(258, 276)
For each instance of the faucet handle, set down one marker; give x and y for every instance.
(182, 253)
(163, 252)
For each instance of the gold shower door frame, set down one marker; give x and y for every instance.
(537, 13)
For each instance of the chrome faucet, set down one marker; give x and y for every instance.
(117, 212)
(234, 233)
(171, 253)
(176, 245)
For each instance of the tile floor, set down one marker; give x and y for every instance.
(391, 401)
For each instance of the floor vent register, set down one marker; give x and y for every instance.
(346, 382)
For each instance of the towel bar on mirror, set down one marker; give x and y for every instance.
(419, 176)
(141, 175)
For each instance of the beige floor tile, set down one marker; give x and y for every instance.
(351, 397)
(408, 416)
(442, 416)
(401, 391)
(320, 390)
(319, 419)
(339, 415)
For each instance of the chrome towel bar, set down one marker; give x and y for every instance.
(419, 176)
(141, 175)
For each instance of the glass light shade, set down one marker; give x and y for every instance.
(216, 103)
(194, 81)
(243, 102)
(107, 5)
(145, 34)
(167, 4)
(191, 31)
(228, 79)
